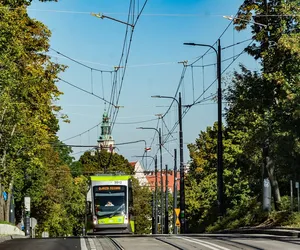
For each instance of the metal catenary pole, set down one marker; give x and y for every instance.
(182, 194)
(161, 184)
(220, 138)
(156, 203)
(220, 184)
(153, 212)
(167, 203)
(175, 192)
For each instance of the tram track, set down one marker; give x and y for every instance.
(116, 244)
(170, 243)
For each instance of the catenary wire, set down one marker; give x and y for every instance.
(83, 90)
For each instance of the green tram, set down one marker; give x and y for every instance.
(110, 203)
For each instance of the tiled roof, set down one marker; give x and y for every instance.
(133, 163)
(151, 180)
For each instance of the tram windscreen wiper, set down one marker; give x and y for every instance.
(117, 211)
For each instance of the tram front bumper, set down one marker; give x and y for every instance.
(112, 228)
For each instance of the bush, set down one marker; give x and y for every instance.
(293, 220)
(242, 215)
(250, 214)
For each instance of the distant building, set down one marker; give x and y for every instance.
(147, 178)
(106, 141)
(139, 173)
(151, 180)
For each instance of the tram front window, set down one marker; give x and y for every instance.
(109, 200)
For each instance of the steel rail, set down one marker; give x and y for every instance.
(117, 245)
(171, 244)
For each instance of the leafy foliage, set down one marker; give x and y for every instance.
(201, 190)
(262, 124)
(27, 90)
(142, 208)
(103, 161)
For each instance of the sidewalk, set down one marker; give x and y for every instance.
(280, 231)
(8, 232)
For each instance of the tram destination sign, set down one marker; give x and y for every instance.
(109, 188)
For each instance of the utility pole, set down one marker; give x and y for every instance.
(220, 184)
(12, 207)
(27, 215)
(267, 187)
(175, 192)
(161, 173)
(156, 203)
(153, 212)
(162, 184)
(167, 204)
(220, 137)
(27, 202)
(182, 195)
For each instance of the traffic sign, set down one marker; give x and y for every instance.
(177, 211)
(177, 223)
(33, 222)
(27, 204)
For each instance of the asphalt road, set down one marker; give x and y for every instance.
(203, 242)
(45, 244)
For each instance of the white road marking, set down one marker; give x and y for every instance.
(212, 244)
(205, 243)
(82, 244)
(92, 244)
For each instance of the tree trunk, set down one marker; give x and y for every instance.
(4, 206)
(275, 187)
(7, 203)
(1, 204)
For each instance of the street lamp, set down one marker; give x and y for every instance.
(161, 174)
(154, 229)
(100, 15)
(220, 183)
(233, 18)
(146, 149)
(182, 195)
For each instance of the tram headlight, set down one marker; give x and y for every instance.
(125, 220)
(95, 220)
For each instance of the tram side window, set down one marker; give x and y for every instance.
(130, 198)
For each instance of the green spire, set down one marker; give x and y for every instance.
(105, 128)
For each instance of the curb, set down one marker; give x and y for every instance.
(278, 232)
(12, 237)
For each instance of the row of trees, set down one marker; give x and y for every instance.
(33, 162)
(261, 135)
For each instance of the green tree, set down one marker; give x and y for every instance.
(268, 101)
(59, 201)
(201, 185)
(27, 90)
(142, 208)
(98, 162)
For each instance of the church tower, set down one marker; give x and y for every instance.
(106, 141)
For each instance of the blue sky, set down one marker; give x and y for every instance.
(153, 68)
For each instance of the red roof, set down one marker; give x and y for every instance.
(151, 180)
(133, 163)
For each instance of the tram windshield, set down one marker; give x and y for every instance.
(109, 200)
